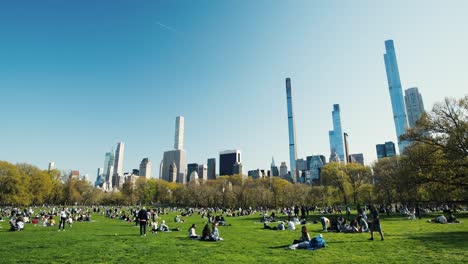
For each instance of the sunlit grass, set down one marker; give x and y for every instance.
(114, 241)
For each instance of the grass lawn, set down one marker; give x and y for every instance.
(114, 241)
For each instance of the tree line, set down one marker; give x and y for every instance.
(433, 168)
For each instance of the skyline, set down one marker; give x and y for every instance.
(77, 78)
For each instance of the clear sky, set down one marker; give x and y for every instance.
(76, 77)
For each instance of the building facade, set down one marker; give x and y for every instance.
(174, 164)
(211, 169)
(385, 150)
(145, 168)
(291, 130)
(396, 93)
(414, 105)
(336, 136)
(227, 160)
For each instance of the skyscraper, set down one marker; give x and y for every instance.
(145, 168)
(109, 168)
(346, 147)
(203, 172)
(357, 158)
(51, 166)
(284, 170)
(118, 166)
(174, 161)
(274, 168)
(336, 136)
(191, 167)
(414, 105)
(292, 131)
(396, 93)
(227, 159)
(211, 169)
(385, 150)
(179, 133)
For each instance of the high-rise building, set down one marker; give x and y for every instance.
(396, 93)
(357, 158)
(176, 157)
(255, 174)
(301, 165)
(346, 147)
(117, 178)
(284, 170)
(237, 169)
(179, 133)
(108, 169)
(203, 172)
(274, 168)
(414, 105)
(385, 150)
(315, 164)
(191, 167)
(336, 136)
(227, 159)
(292, 130)
(51, 166)
(145, 168)
(211, 169)
(99, 178)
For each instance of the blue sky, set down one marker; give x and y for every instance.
(76, 77)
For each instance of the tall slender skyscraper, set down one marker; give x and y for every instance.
(179, 133)
(118, 165)
(414, 105)
(336, 136)
(174, 168)
(346, 146)
(396, 93)
(292, 131)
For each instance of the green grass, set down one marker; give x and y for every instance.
(114, 241)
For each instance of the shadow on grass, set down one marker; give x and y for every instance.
(123, 235)
(284, 246)
(452, 239)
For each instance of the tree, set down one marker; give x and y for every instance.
(358, 175)
(333, 174)
(443, 134)
(13, 185)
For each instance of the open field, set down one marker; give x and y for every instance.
(114, 241)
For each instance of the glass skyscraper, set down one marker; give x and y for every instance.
(414, 105)
(396, 93)
(336, 136)
(292, 131)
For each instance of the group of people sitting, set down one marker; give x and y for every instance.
(16, 224)
(207, 233)
(290, 225)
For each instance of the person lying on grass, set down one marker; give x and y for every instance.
(316, 242)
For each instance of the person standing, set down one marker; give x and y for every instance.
(375, 225)
(348, 212)
(142, 218)
(63, 218)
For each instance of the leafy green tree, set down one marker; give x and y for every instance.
(334, 174)
(357, 176)
(13, 185)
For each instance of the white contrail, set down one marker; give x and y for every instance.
(167, 27)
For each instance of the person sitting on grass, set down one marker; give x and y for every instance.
(164, 227)
(281, 226)
(154, 227)
(291, 225)
(316, 242)
(363, 225)
(206, 233)
(192, 232)
(304, 236)
(215, 235)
